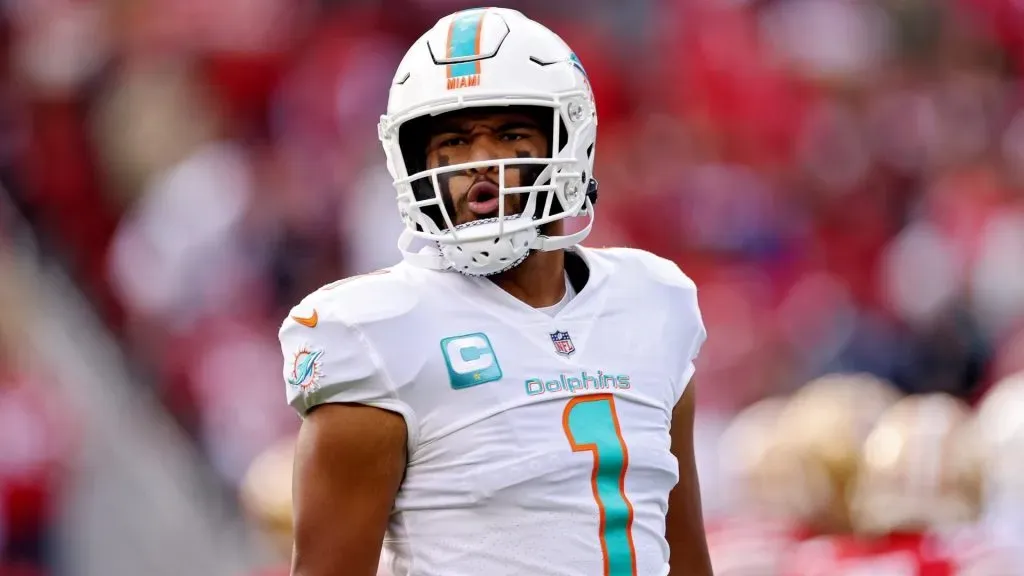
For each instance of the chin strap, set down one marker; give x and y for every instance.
(427, 257)
(551, 243)
(430, 257)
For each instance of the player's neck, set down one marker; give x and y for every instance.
(539, 281)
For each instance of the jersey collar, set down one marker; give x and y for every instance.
(587, 273)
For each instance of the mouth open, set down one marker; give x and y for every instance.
(483, 198)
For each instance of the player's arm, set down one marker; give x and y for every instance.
(684, 528)
(349, 463)
(351, 451)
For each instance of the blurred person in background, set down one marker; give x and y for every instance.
(37, 439)
(914, 502)
(465, 405)
(35, 460)
(791, 461)
(826, 422)
(1000, 424)
(184, 126)
(266, 496)
(767, 505)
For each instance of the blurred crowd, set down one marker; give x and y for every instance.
(842, 179)
(37, 437)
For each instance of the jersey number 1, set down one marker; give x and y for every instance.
(591, 424)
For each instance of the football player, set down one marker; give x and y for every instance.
(825, 424)
(772, 494)
(504, 401)
(1000, 421)
(914, 501)
(266, 498)
(792, 460)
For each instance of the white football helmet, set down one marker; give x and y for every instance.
(491, 57)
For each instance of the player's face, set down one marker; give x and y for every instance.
(475, 136)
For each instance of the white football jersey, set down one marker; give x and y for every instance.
(537, 444)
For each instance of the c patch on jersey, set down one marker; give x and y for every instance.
(470, 359)
(307, 369)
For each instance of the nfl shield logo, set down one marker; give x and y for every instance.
(563, 343)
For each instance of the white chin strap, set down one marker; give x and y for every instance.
(481, 251)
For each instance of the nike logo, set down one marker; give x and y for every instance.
(309, 321)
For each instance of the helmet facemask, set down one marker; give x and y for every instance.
(551, 188)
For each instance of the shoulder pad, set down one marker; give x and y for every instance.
(357, 300)
(327, 357)
(667, 288)
(655, 267)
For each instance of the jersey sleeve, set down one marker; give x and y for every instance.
(333, 362)
(687, 324)
(694, 335)
(677, 295)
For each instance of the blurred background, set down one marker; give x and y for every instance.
(844, 180)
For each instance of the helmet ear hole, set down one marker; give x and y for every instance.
(592, 191)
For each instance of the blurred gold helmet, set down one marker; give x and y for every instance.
(920, 468)
(266, 494)
(824, 425)
(1000, 424)
(767, 473)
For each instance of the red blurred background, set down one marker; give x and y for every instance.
(842, 180)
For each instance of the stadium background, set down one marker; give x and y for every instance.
(841, 178)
